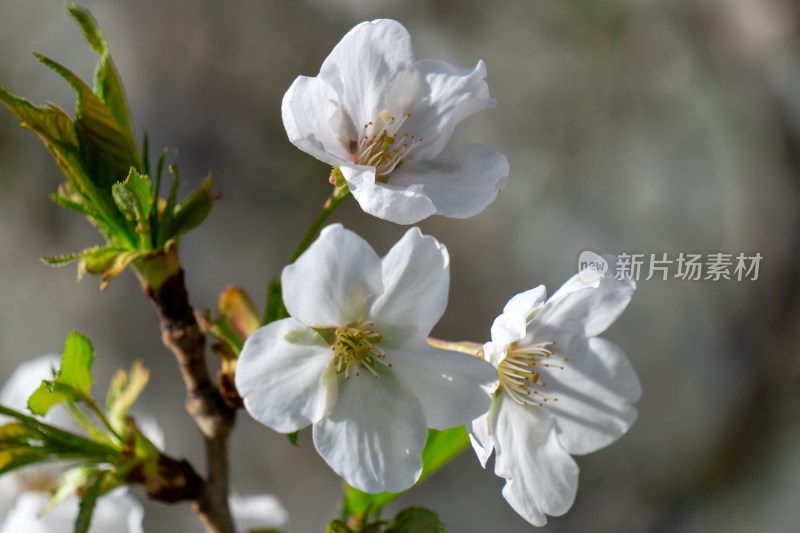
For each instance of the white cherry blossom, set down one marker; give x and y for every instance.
(385, 120)
(563, 390)
(353, 359)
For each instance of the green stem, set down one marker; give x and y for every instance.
(467, 347)
(101, 417)
(274, 308)
(339, 194)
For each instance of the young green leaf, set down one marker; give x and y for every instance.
(134, 198)
(121, 261)
(34, 441)
(73, 380)
(165, 223)
(337, 526)
(54, 128)
(61, 260)
(68, 484)
(125, 388)
(49, 394)
(416, 520)
(14, 449)
(68, 198)
(104, 149)
(107, 84)
(88, 504)
(194, 209)
(76, 364)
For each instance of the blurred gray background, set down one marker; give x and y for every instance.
(648, 127)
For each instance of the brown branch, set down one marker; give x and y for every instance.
(181, 333)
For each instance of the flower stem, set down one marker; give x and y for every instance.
(274, 308)
(469, 348)
(101, 417)
(339, 194)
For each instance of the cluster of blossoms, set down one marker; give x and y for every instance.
(353, 359)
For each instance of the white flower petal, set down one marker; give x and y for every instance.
(401, 205)
(334, 281)
(280, 375)
(312, 118)
(589, 308)
(452, 94)
(453, 388)
(9, 489)
(364, 62)
(595, 391)
(461, 181)
(480, 434)
(416, 282)
(512, 324)
(542, 478)
(116, 512)
(257, 511)
(375, 435)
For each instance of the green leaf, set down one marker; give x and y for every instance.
(99, 259)
(107, 84)
(337, 526)
(416, 520)
(54, 128)
(69, 198)
(14, 451)
(76, 364)
(87, 254)
(104, 148)
(374, 527)
(134, 198)
(49, 394)
(165, 222)
(108, 261)
(125, 388)
(73, 379)
(42, 442)
(88, 503)
(68, 484)
(61, 260)
(193, 210)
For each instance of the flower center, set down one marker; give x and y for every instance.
(519, 372)
(355, 350)
(384, 147)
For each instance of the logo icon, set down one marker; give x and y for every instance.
(591, 266)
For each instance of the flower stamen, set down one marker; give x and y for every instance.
(385, 149)
(355, 349)
(519, 376)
